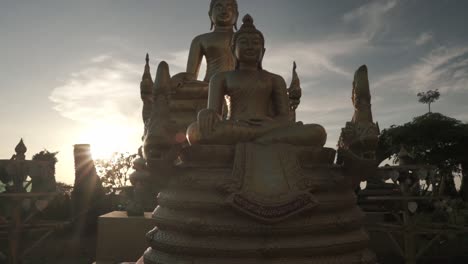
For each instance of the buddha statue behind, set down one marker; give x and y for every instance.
(213, 46)
(258, 102)
(172, 103)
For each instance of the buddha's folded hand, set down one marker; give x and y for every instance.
(207, 118)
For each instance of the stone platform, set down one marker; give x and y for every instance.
(122, 238)
(198, 222)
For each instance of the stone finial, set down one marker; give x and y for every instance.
(361, 96)
(162, 84)
(158, 129)
(161, 92)
(20, 150)
(361, 83)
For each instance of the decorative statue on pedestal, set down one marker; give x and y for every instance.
(259, 104)
(254, 186)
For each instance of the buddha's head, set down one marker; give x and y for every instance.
(248, 43)
(223, 13)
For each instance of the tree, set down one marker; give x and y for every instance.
(46, 183)
(433, 139)
(114, 171)
(46, 155)
(64, 188)
(429, 97)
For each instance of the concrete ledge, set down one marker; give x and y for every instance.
(121, 238)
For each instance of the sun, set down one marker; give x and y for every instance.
(107, 138)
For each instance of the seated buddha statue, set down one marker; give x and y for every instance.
(258, 106)
(214, 46)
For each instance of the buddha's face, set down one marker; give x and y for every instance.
(223, 13)
(249, 47)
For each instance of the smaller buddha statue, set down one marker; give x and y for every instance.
(258, 107)
(214, 46)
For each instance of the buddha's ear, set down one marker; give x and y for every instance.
(212, 24)
(260, 64)
(263, 55)
(235, 20)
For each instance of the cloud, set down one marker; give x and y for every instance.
(105, 90)
(443, 68)
(424, 38)
(463, 116)
(325, 82)
(370, 11)
(318, 57)
(178, 63)
(370, 17)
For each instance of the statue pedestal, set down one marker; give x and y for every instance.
(198, 222)
(122, 238)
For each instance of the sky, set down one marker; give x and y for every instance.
(70, 70)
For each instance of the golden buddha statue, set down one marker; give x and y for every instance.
(254, 186)
(259, 106)
(214, 46)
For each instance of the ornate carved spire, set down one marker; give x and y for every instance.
(20, 150)
(295, 79)
(294, 90)
(146, 91)
(147, 72)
